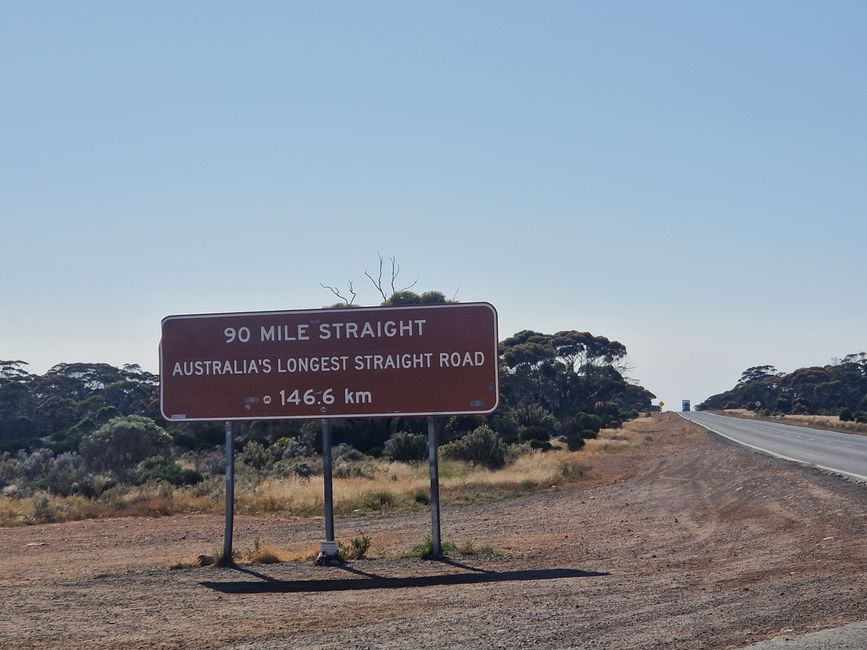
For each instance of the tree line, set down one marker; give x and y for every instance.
(569, 383)
(79, 422)
(839, 388)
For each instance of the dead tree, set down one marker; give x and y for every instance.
(346, 301)
(395, 271)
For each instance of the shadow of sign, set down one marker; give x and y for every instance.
(366, 581)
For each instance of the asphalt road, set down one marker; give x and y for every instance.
(850, 637)
(842, 453)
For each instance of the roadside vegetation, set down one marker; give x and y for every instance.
(362, 484)
(827, 422)
(832, 396)
(267, 482)
(87, 439)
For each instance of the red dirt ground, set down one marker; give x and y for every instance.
(689, 542)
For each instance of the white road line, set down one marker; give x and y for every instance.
(857, 477)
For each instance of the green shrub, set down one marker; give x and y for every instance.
(354, 470)
(156, 470)
(357, 548)
(122, 443)
(255, 455)
(535, 432)
(424, 551)
(8, 469)
(64, 472)
(406, 447)
(538, 437)
(302, 470)
(482, 446)
(583, 426)
(292, 448)
(43, 513)
(575, 442)
(783, 405)
(460, 425)
(93, 485)
(377, 501)
(589, 421)
(346, 453)
(505, 423)
(432, 298)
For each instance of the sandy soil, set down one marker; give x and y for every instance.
(690, 542)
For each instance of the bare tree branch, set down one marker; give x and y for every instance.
(408, 287)
(395, 271)
(378, 283)
(336, 292)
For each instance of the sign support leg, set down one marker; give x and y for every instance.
(436, 540)
(328, 548)
(231, 430)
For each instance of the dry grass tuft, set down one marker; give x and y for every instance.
(263, 553)
(623, 439)
(193, 561)
(13, 512)
(305, 555)
(260, 552)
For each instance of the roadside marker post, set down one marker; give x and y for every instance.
(328, 548)
(231, 430)
(437, 546)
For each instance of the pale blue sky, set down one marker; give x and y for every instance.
(689, 178)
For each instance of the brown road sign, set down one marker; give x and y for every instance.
(360, 362)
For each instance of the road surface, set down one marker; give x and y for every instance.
(842, 453)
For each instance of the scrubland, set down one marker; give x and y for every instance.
(360, 486)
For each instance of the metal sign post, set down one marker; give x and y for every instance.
(434, 487)
(231, 428)
(328, 547)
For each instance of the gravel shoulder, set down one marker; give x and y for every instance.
(687, 542)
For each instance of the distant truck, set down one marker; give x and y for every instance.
(686, 405)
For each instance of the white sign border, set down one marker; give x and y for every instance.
(496, 355)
